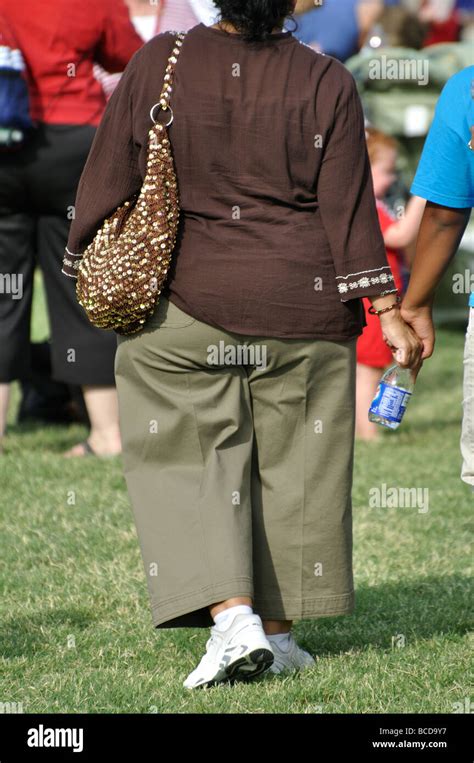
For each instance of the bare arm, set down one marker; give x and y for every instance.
(404, 231)
(440, 234)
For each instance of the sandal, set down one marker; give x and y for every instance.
(87, 450)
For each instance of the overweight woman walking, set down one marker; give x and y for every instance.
(237, 398)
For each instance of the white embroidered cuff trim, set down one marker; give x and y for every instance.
(364, 282)
(71, 264)
(73, 254)
(359, 272)
(71, 275)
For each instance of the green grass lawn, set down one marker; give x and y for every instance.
(76, 632)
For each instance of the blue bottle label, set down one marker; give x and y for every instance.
(390, 402)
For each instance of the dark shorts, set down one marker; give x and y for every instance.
(37, 194)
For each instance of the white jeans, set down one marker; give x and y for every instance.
(467, 435)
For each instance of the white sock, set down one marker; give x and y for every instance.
(224, 618)
(281, 639)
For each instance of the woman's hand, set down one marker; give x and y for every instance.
(421, 321)
(406, 346)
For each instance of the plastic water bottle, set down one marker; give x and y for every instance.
(391, 399)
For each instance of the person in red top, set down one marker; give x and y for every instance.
(60, 43)
(373, 352)
(443, 21)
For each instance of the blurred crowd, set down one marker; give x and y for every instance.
(339, 28)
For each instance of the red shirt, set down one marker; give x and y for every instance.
(60, 41)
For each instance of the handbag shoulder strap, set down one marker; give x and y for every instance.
(168, 79)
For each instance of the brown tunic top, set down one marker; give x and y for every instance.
(279, 234)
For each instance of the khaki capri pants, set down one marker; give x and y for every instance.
(238, 456)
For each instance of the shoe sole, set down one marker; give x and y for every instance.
(245, 668)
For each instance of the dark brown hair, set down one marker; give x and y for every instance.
(255, 19)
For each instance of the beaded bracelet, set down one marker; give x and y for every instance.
(372, 310)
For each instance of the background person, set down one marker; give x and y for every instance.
(337, 27)
(373, 354)
(37, 189)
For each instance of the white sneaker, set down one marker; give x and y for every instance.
(295, 658)
(242, 651)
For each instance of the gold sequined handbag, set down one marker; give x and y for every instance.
(123, 270)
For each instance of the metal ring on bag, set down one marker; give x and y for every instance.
(164, 109)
